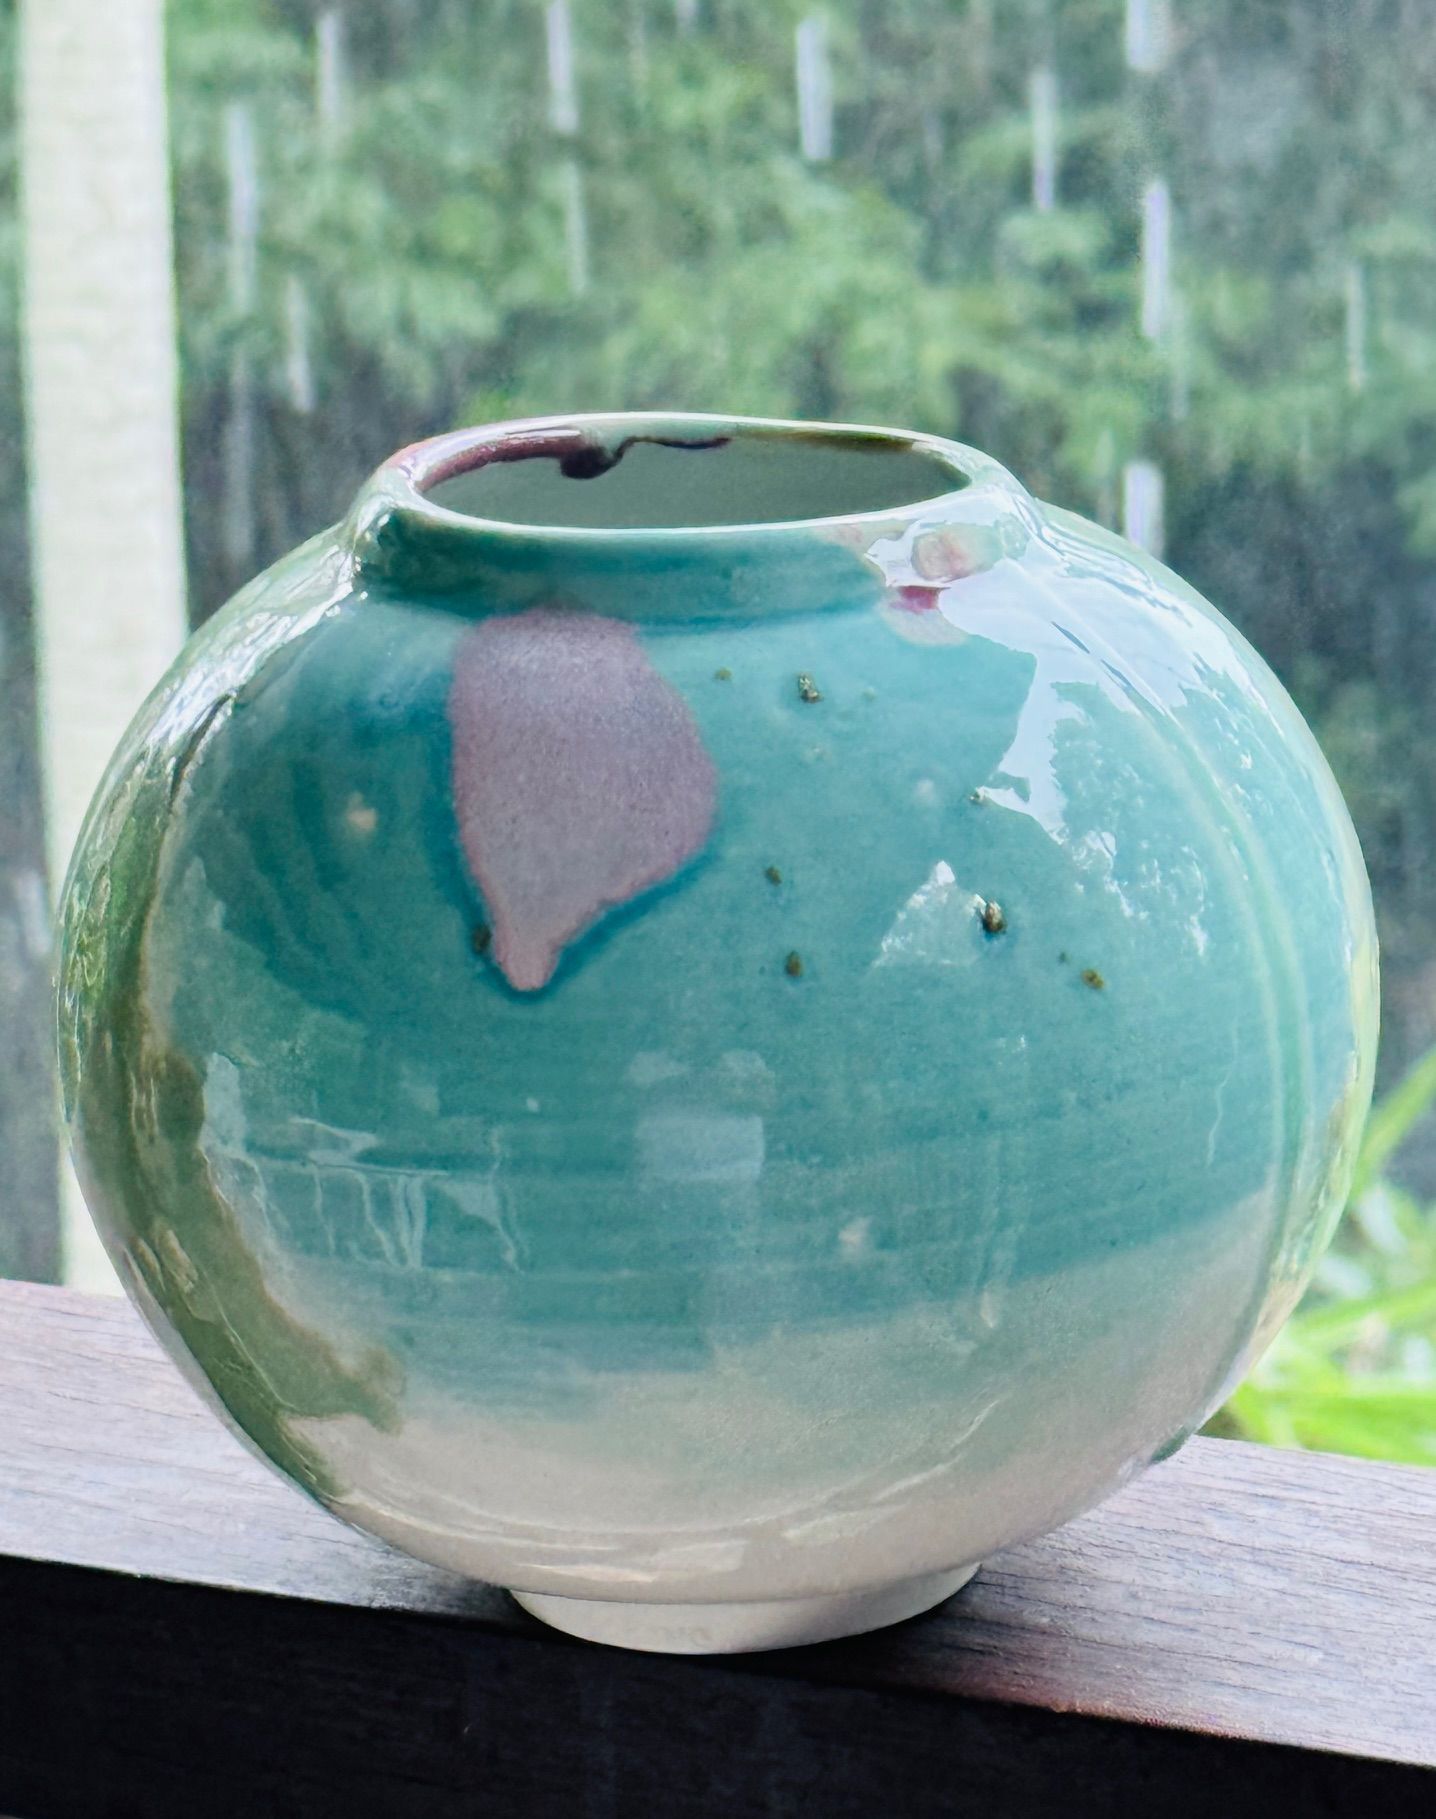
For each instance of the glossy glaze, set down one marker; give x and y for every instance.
(542, 1044)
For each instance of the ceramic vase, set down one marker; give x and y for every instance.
(712, 1020)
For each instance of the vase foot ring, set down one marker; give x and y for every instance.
(729, 1629)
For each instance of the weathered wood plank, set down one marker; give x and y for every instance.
(1219, 1627)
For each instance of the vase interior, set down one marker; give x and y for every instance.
(671, 479)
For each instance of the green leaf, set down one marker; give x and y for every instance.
(1392, 1120)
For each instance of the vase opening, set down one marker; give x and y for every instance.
(661, 474)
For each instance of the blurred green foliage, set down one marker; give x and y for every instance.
(1354, 1371)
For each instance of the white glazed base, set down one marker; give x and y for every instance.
(730, 1629)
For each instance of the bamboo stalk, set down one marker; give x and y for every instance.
(98, 331)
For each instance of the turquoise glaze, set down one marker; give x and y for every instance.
(693, 1012)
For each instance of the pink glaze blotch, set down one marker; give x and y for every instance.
(579, 778)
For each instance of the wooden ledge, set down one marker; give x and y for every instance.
(184, 1633)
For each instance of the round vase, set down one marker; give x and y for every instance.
(712, 1020)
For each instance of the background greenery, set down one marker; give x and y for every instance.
(415, 264)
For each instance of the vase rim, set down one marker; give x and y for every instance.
(399, 529)
(420, 468)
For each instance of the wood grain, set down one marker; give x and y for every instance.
(1247, 1623)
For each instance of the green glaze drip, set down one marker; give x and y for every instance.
(137, 1107)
